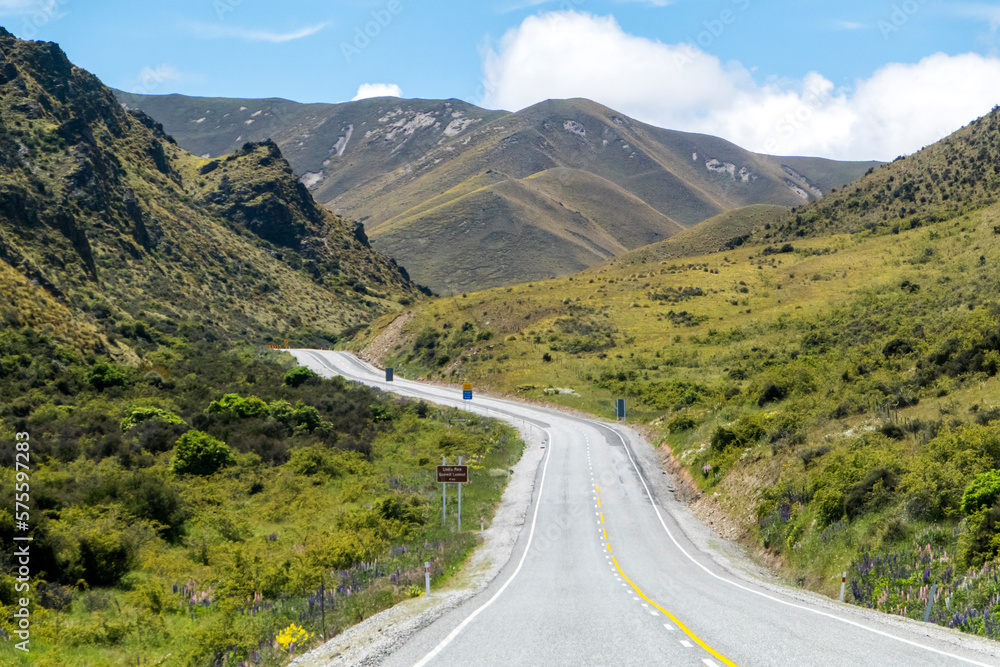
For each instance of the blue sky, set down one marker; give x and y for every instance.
(795, 76)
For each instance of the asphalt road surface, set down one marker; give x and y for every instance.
(605, 572)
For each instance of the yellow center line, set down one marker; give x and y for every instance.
(609, 548)
(602, 517)
(605, 535)
(598, 487)
(598, 502)
(673, 618)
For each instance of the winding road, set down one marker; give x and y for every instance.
(609, 570)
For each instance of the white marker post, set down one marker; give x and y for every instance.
(427, 577)
(480, 526)
(930, 603)
(843, 584)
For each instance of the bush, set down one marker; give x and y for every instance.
(299, 376)
(198, 453)
(105, 375)
(772, 392)
(982, 492)
(980, 542)
(869, 492)
(681, 423)
(141, 414)
(232, 405)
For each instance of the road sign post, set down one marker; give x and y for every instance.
(388, 375)
(620, 409)
(466, 392)
(444, 498)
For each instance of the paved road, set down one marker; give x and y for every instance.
(604, 573)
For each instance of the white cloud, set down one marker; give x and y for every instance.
(367, 90)
(18, 7)
(848, 25)
(150, 79)
(897, 110)
(980, 12)
(221, 31)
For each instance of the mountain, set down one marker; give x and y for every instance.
(467, 198)
(109, 231)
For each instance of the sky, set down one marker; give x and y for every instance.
(854, 79)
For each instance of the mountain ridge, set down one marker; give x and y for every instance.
(385, 160)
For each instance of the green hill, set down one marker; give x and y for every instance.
(407, 168)
(101, 211)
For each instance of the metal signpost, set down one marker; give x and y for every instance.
(452, 474)
(467, 392)
(388, 375)
(620, 409)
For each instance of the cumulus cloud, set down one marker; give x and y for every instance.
(898, 109)
(367, 90)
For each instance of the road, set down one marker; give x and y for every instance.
(608, 572)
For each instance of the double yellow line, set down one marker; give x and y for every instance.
(676, 621)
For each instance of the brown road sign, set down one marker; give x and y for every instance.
(458, 474)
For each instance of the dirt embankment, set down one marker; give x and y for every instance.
(378, 348)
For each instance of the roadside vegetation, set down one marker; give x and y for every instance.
(218, 506)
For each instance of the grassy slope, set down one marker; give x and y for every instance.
(569, 230)
(836, 398)
(710, 236)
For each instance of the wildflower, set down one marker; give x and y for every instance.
(293, 634)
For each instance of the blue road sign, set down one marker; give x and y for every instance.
(467, 392)
(620, 405)
(388, 375)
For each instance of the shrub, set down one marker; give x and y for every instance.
(869, 492)
(299, 376)
(772, 392)
(104, 375)
(232, 405)
(983, 491)
(681, 423)
(980, 541)
(141, 414)
(198, 453)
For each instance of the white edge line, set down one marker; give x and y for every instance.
(765, 595)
